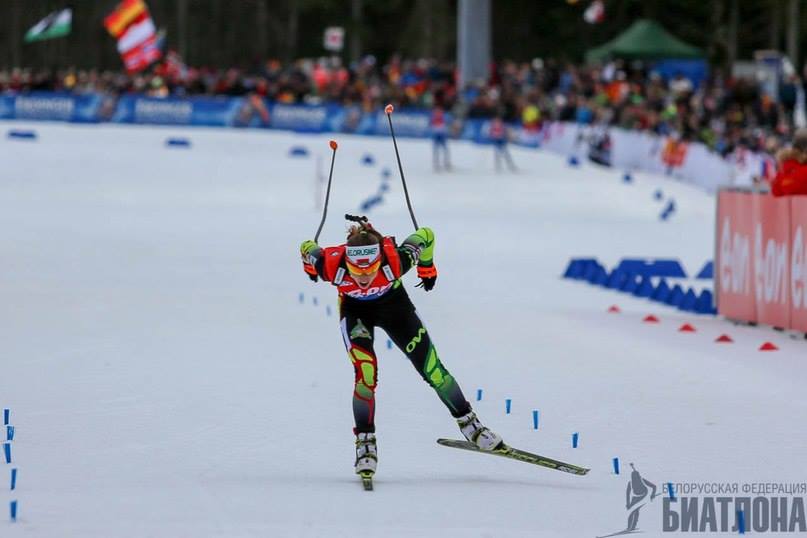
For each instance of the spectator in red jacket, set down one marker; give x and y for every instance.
(791, 177)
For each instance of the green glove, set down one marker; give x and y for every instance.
(423, 238)
(307, 247)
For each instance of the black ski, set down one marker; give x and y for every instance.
(518, 455)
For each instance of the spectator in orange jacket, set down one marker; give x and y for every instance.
(791, 177)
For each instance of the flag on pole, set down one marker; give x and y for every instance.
(57, 24)
(131, 24)
(595, 12)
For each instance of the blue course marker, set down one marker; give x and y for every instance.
(507, 403)
(9, 433)
(302, 297)
(13, 479)
(13, 507)
(575, 439)
(478, 395)
(389, 343)
(178, 143)
(328, 310)
(616, 465)
(7, 451)
(316, 301)
(298, 151)
(670, 490)
(6, 414)
(22, 134)
(741, 521)
(535, 417)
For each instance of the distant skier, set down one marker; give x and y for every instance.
(367, 272)
(439, 130)
(498, 134)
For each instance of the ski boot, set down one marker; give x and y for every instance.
(366, 458)
(476, 433)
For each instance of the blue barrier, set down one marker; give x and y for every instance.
(601, 278)
(52, 106)
(688, 302)
(704, 304)
(20, 134)
(616, 279)
(645, 288)
(223, 111)
(591, 271)
(409, 122)
(632, 265)
(665, 267)
(209, 111)
(577, 267)
(635, 276)
(297, 118)
(631, 284)
(178, 143)
(572, 269)
(661, 293)
(676, 296)
(707, 272)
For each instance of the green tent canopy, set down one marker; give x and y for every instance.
(644, 40)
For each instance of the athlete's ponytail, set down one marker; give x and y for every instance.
(363, 233)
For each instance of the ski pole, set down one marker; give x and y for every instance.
(309, 269)
(388, 111)
(333, 145)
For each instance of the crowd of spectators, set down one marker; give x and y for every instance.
(722, 113)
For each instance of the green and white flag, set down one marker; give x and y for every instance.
(57, 24)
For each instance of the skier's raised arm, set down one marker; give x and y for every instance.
(418, 249)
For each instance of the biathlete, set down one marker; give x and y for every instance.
(367, 272)
(439, 130)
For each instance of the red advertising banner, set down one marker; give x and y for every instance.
(734, 282)
(771, 258)
(798, 263)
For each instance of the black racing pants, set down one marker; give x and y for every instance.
(394, 313)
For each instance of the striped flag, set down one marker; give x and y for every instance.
(57, 24)
(132, 26)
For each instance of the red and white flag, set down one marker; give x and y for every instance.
(595, 12)
(131, 24)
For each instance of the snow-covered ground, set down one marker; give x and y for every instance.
(165, 380)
